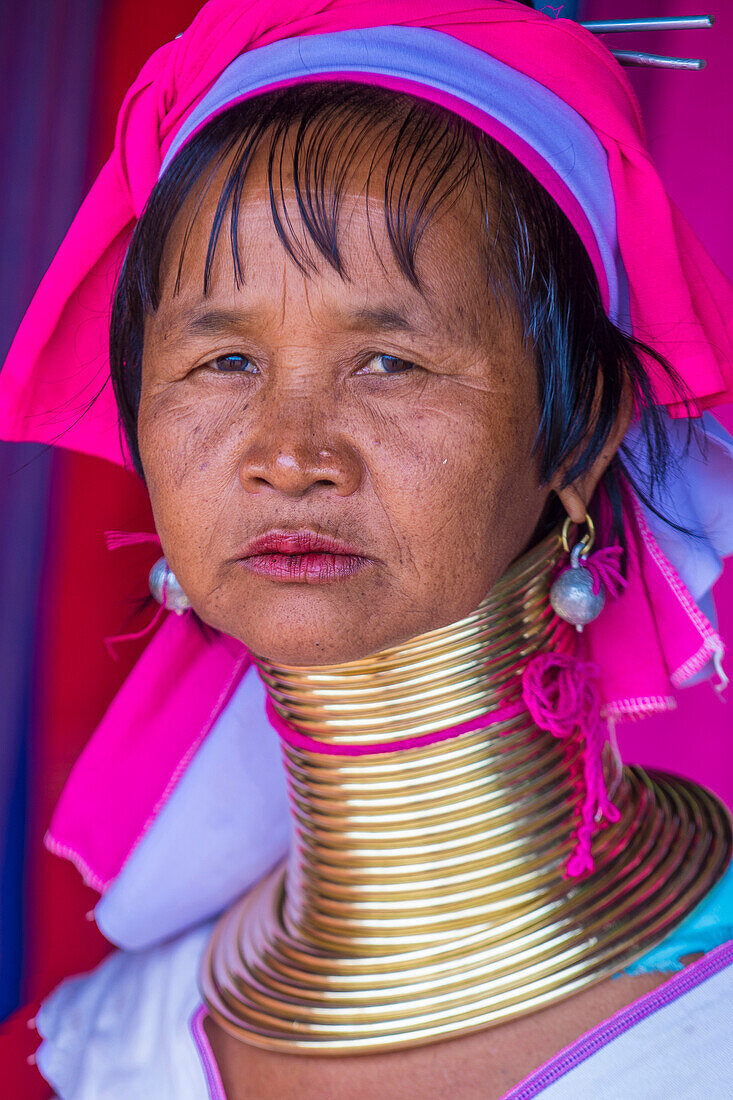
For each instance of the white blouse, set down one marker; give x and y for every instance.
(132, 1029)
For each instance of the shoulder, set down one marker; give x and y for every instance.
(124, 1030)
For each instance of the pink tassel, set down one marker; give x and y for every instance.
(118, 539)
(605, 568)
(561, 695)
(112, 641)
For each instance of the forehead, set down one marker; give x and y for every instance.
(357, 221)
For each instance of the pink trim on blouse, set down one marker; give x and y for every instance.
(623, 1020)
(206, 1054)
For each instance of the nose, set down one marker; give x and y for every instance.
(297, 453)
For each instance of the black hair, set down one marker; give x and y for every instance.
(312, 135)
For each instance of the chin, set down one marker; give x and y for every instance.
(309, 628)
(299, 626)
(298, 645)
(296, 649)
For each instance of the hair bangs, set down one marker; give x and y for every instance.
(311, 157)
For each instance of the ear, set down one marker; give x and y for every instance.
(576, 497)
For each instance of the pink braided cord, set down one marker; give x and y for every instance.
(113, 639)
(605, 568)
(561, 693)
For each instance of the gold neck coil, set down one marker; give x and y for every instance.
(424, 896)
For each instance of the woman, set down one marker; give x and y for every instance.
(401, 314)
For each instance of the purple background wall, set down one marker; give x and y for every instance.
(46, 63)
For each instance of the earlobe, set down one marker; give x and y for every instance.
(576, 497)
(573, 503)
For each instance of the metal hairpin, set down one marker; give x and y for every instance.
(652, 60)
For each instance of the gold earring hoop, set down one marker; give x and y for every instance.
(586, 542)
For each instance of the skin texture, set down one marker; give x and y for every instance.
(427, 472)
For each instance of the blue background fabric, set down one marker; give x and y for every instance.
(708, 925)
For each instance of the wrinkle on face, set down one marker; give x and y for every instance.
(429, 472)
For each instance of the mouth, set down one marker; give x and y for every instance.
(301, 557)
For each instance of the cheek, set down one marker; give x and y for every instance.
(465, 492)
(188, 453)
(179, 431)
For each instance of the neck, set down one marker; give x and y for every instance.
(426, 893)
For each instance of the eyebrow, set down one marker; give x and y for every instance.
(214, 321)
(380, 317)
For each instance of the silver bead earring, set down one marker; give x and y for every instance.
(577, 595)
(166, 589)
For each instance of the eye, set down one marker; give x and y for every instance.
(229, 364)
(387, 364)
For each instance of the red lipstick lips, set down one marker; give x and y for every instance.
(301, 557)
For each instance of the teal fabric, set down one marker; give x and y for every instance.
(708, 925)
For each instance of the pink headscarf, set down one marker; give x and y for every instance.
(680, 301)
(55, 388)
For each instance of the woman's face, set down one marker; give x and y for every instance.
(336, 464)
